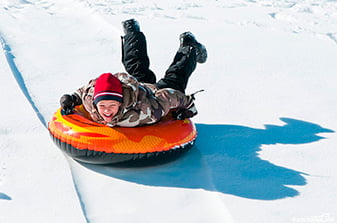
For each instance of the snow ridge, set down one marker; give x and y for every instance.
(19, 78)
(21, 82)
(79, 195)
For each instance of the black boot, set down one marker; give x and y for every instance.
(130, 26)
(188, 39)
(178, 73)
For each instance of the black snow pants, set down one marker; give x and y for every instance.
(136, 62)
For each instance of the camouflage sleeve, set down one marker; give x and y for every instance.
(86, 91)
(128, 80)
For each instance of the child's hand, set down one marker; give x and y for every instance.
(67, 103)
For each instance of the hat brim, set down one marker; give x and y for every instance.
(108, 97)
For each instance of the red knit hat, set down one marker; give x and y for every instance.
(108, 87)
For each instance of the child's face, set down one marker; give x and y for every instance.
(108, 109)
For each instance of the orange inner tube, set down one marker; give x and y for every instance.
(81, 133)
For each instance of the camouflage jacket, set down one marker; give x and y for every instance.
(143, 104)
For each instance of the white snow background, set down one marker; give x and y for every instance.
(266, 150)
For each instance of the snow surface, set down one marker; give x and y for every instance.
(267, 120)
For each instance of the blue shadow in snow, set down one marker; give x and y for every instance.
(19, 79)
(225, 159)
(4, 197)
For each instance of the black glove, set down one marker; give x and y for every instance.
(68, 102)
(190, 110)
(183, 113)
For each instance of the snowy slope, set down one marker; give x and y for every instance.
(32, 173)
(266, 146)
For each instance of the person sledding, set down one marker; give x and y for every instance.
(136, 98)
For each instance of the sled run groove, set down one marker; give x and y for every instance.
(10, 57)
(19, 78)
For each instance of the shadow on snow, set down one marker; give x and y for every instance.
(19, 78)
(4, 197)
(225, 159)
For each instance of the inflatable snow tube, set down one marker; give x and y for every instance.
(91, 142)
